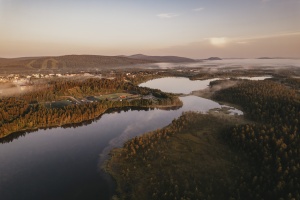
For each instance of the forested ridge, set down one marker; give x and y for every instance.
(273, 143)
(185, 160)
(205, 157)
(57, 88)
(29, 111)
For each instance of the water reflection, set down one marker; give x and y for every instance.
(16, 135)
(63, 162)
(177, 84)
(160, 118)
(181, 85)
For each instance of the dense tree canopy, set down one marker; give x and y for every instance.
(274, 142)
(266, 165)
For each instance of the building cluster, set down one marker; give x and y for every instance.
(17, 78)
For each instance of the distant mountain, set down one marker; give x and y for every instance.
(213, 58)
(65, 63)
(173, 59)
(265, 58)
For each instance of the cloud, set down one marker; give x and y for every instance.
(198, 9)
(274, 45)
(167, 15)
(220, 41)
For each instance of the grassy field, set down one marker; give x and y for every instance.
(115, 96)
(58, 104)
(191, 162)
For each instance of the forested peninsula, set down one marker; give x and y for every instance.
(210, 157)
(64, 101)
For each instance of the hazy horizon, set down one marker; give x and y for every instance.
(199, 58)
(194, 29)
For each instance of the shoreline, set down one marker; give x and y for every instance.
(29, 130)
(121, 159)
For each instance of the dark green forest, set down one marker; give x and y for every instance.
(273, 142)
(185, 160)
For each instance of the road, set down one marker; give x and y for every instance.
(73, 99)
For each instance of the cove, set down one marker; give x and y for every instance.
(64, 163)
(185, 85)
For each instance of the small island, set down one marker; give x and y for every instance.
(213, 58)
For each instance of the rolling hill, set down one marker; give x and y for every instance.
(65, 63)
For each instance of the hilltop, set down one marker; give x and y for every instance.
(77, 63)
(213, 58)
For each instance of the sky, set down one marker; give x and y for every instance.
(190, 28)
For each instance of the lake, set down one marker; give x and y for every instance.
(64, 163)
(185, 85)
(177, 84)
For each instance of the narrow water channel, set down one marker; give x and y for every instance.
(63, 163)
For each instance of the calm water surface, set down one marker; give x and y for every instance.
(185, 85)
(177, 84)
(63, 163)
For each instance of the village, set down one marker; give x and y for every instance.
(25, 82)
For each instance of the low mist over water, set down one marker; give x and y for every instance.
(235, 63)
